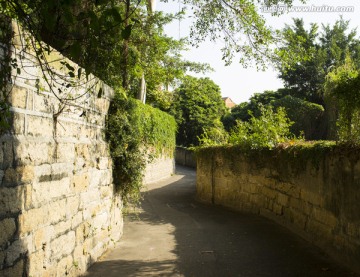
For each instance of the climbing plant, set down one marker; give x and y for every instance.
(6, 66)
(136, 133)
(343, 85)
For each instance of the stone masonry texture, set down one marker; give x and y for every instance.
(58, 209)
(316, 196)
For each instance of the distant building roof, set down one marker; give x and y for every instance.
(228, 102)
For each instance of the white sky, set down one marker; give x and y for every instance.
(235, 81)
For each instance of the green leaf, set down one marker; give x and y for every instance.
(69, 66)
(94, 21)
(3, 5)
(79, 72)
(75, 50)
(126, 32)
(116, 15)
(100, 2)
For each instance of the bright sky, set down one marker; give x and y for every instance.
(235, 81)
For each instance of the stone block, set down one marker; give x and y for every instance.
(76, 220)
(62, 246)
(83, 232)
(82, 150)
(33, 219)
(42, 170)
(45, 192)
(106, 191)
(92, 209)
(277, 209)
(57, 211)
(1, 154)
(80, 183)
(81, 261)
(36, 263)
(11, 199)
(90, 196)
(7, 154)
(325, 217)
(15, 270)
(72, 206)
(40, 126)
(62, 227)
(29, 152)
(2, 259)
(43, 236)
(20, 175)
(312, 198)
(353, 230)
(18, 125)
(66, 152)
(98, 178)
(10, 177)
(43, 103)
(282, 199)
(300, 205)
(19, 248)
(65, 267)
(8, 230)
(101, 221)
(103, 163)
(319, 230)
(18, 97)
(269, 193)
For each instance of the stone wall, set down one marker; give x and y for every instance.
(186, 157)
(159, 168)
(58, 210)
(314, 193)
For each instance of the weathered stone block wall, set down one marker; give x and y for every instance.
(159, 168)
(58, 210)
(186, 157)
(314, 193)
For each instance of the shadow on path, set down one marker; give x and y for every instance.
(173, 235)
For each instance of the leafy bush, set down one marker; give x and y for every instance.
(343, 86)
(305, 115)
(270, 129)
(213, 136)
(136, 133)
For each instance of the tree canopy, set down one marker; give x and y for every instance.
(306, 56)
(197, 108)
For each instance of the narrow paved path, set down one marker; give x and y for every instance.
(173, 235)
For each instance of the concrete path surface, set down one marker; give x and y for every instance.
(173, 235)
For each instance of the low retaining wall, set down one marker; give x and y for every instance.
(313, 191)
(160, 168)
(186, 157)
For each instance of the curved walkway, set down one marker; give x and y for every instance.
(173, 235)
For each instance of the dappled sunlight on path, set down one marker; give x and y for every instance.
(173, 235)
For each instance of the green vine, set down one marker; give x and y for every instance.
(287, 156)
(6, 65)
(136, 133)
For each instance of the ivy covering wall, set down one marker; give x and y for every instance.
(136, 133)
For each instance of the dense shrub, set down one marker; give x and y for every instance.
(305, 115)
(270, 129)
(136, 133)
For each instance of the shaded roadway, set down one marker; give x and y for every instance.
(174, 235)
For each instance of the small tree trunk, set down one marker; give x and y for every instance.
(125, 74)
